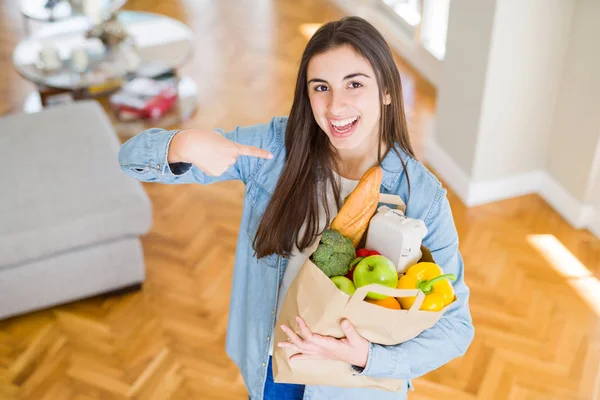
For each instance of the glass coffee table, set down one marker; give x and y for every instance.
(155, 42)
(36, 10)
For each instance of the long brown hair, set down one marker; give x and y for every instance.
(309, 160)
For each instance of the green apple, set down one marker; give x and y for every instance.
(376, 269)
(344, 284)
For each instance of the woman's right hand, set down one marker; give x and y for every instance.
(208, 150)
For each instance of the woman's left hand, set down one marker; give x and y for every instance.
(353, 349)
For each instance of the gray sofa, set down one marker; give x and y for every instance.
(70, 220)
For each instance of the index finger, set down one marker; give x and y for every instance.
(297, 340)
(304, 331)
(245, 150)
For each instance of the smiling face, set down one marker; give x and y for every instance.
(344, 97)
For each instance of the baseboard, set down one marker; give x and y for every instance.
(595, 224)
(475, 193)
(577, 213)
(505, 188)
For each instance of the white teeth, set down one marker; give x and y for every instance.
(343, 122)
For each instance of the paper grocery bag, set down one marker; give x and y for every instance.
(315, 298)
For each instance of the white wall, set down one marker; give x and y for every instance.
(527, 53)
(462, 82)
(538, 125)
(576, 125)
(499, 85)
(497, 94)
(592, 195)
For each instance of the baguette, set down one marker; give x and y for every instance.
(358, 209)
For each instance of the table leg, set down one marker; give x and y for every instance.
(51, 96)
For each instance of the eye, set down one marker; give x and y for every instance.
(355, 85)
(320, 88)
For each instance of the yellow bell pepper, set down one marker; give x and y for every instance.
(431, 280)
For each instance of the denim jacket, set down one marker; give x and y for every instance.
(256, 282)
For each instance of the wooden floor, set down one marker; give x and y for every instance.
(534, 280)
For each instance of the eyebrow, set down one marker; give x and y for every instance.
(345, 78)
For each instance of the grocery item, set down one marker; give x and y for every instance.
(431, 280)
(333, 254)
(353, 218)
(389, 302)
(396, 236)
(375, 269)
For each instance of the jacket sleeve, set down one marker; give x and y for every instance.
(144, 156)
(451, 336)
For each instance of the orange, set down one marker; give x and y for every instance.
(389, 302)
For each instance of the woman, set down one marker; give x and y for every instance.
(347, 116)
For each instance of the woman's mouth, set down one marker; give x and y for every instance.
(343, 127)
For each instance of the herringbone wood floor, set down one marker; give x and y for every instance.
(537, 337)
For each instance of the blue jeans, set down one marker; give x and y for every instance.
(280, 391)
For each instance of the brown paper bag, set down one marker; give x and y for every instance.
(315, 298)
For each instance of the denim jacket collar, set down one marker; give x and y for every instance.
(392, 168)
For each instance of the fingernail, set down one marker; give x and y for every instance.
(345, 324)
(270, 156)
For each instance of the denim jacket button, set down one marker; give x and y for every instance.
(268, 337)
(264, 364)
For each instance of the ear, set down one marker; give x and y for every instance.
(387, 100)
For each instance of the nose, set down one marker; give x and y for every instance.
(337, 103)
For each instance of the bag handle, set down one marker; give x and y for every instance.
(362, 291)
(392, 199)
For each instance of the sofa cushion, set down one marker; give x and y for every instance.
(62, 187)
